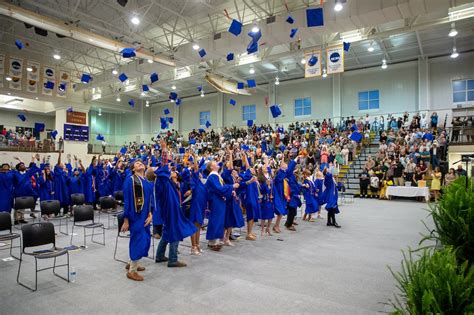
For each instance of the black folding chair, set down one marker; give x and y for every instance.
(39, 234)
(6, 225)
(120, 221)
(53, 207)
(119, 197)
(78, 199)
(25, 205)
(108, 207)
(83, 214)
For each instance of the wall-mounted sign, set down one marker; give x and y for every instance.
(76, 118)
(76, 133)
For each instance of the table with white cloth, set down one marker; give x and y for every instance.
(407, 191)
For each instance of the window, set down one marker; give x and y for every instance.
(369, 100)
(303, 106)
(204, 117)
(249, 112)
(463, 91)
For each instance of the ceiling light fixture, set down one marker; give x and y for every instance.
(195, 46)
(303, 61)
(100, 112)
(118, 98)
(453, 32)
(384, 64)
(252, 70)
(371, 48)
(8, 78)
(255, 28)
(277, 81)
(325, 74)
(338, 6)
(150, 61)
(29, 69)
(202, 93)
(135, 20)
(147, 103)
(455, 53)
(173, 87)
(114, 72)
(56, 56)
(143, 94)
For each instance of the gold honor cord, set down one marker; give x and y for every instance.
(138, 194)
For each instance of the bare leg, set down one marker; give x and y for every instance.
(276, 227)
(268, 227)
(262, 227)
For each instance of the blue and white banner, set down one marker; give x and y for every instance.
(312, 67)
(335, 59)
(16, 67)
(63, 85)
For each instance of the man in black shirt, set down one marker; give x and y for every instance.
(398, 174)
(364, 181)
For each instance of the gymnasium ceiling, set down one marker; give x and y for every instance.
(399, 30)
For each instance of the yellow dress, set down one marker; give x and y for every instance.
(436, 181)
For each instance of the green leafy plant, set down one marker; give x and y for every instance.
(453, 217)
(435, 283)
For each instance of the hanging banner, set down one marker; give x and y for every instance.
(335, 59)
(2, 63)
(49, 75)
(312, 67)
(63, 83)
(16, 67)
(34, 74)
(15, 84)
(32, 86)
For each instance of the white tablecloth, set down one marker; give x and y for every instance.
(404, 191)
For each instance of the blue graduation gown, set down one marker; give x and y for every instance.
(310, 198)
(61, 192)
(176, 226)
(266, 207)
(157, 216)
(87, 184)
(198, 199)
(330, 194)
(103, 182)
(218, 192)
(295, 188)
(46, 188)
(22, 182)
(6, 191)
(140, 236)
(76, 184)
(116, 177)
(252, 205)
(233, 212)
(279, 201)
(318, 183)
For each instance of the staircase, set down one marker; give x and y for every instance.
(349, 174)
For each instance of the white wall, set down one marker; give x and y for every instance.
(10, 120)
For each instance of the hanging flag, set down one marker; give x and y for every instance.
(312, 67)
(64, 81)
(335, 59)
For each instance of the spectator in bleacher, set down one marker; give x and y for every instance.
(460, 171)
(364, 182)
(434, 121)
(450, 177)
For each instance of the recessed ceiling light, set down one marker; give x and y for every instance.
(118, 99)
(135, 20)
(29, 69)
(150, 61)
(8, 78)
(303, 61)
(173, 87)
(255, 29)
(338, 7)
(114, 72)
(252, 70)
(371, 48)
(56, 56)
(195, 46)
(143, 94)
(455, 53)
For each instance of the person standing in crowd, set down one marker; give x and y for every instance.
(138, 202)
(436, 182)
(331, 198)
(310, 196)
(450, 177)
(6, 188)
(364, 182)
(24, 184)
(295, 188)
(279, 200)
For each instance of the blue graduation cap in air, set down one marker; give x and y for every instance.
(314, 17)
(240, 85)
(49, 85)
(252, 47)
(245, 147)
(235, 27)
(39, 127)
(182, 150)
(192, 141)
(202, 52)
(122, 77)
(275, 111)
(201, 130)
(312, 61)
(251, 83)
(123, 150)
(290, 20)
(178, 101)
(128, 52)
(353, 128)
(153, 77)
(356, 136)
(347, 46)
(62, 86)
(170, 119)
(293, 32)
(100, 137)
(69, 109)
(232, 102)
(249, 123)
(208, 124)
(163, 122)
(258, 128)
(173, 96)
(54, 134)
(230, 56)
(85, 78)
(166, 111)
(19, 44)
(145, 88)
(199, 88)
(255, 35)
(131, 102)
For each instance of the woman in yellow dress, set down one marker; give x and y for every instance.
(436, 182)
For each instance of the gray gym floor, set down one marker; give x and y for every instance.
(317, 270)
